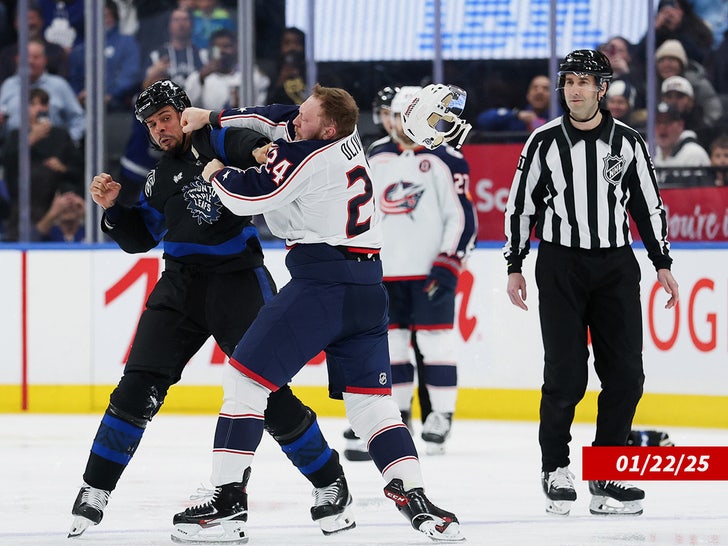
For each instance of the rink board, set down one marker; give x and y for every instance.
(69, 316)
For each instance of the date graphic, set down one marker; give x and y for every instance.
(655, 463)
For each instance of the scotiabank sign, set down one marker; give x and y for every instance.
(492, 167)
(694, 214)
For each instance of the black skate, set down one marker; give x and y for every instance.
(558, 486)
(88, 509)
(222, 519)
(332, 507)
(356, 448)
(615, 498)
(649, 438)
(435, 431)
(424, 516)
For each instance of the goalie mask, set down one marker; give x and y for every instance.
(431, 116)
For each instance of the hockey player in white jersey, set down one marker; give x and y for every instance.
(315, 190)
(429, 228)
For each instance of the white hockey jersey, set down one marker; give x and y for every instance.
(310, 191)
(426, 208)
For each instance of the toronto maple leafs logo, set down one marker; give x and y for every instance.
(613, 167)
(202, 201)
(401, 198)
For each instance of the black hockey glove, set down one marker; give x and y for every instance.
(443, 278)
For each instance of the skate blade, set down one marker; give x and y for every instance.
(607, 506)
(558, 508)
(432, 448)
(79, 525)
(225, 532)
(442, 531)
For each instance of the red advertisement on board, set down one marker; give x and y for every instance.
(694, 214)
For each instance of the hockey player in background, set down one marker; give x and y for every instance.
(213, 284)
(429, 228)
(381, 108)
(315, 191)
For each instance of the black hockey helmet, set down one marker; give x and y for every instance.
(382, 100)
(584, 61)
(159, 94)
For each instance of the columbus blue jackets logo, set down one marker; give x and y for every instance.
(613, 168)
(401, 198)
(202, 201)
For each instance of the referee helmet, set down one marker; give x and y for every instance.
(584, 61)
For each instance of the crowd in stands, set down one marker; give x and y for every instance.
(194, 43)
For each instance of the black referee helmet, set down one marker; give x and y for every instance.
(584, 61)
(382, 100)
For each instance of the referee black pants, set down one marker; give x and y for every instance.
(585, 292)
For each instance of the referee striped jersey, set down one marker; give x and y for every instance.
(578, 188)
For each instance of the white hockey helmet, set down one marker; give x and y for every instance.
(403, 97)
(436, 105)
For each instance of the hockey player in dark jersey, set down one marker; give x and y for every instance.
(214, 283)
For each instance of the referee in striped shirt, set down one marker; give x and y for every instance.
(579, 178)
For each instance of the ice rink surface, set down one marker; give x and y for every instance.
(489, 478)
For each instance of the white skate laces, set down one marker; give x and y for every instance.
(88, 508)
(435, 431)
(558, 486)
(332, 507)
(615, 498)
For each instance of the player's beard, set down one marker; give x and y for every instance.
(181, 147)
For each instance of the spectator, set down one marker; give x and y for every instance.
(671, 60)
(215, 86)
(207, 18)
(626, 68)
(179, 57)
(676, 20)
(678, 91)
(65, 110)
(64, 220)
(677, 151)
(56, 55)
(718, 66)
(123, 64)
(621, 96)
(290, 85)
(153, 19)
(56, 163)
(290, 78)
(533, 116)
(719, 159)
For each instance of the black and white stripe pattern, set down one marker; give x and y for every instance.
(579, 189)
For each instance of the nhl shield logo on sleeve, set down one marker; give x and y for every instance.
(613, 167)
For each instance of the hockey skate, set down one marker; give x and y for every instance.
(356, 448)
(221, 520)
(88, 509)
(435, 431)
(649, 438)
(332, 507)
(424, 516)
(615, 498)
(558, 486)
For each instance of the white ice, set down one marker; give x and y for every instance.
(489, 478)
